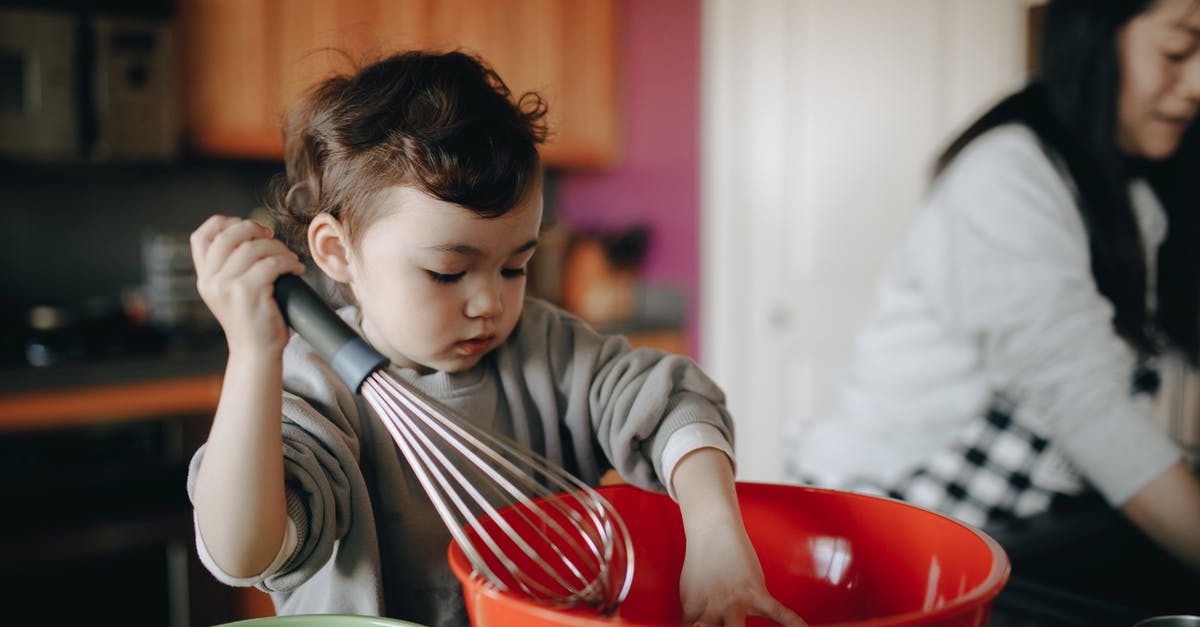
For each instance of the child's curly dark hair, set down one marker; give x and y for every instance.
(442, 122)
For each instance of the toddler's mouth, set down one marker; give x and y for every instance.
(475, 345)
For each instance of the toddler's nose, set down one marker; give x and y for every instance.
(485, 302)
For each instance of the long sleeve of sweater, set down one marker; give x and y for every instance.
(1017, 279)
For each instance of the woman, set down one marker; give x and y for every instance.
(1010, 359)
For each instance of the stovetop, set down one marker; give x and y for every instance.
(55, 347)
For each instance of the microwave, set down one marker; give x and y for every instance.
(79, 87)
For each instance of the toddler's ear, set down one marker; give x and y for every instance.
(327, 242)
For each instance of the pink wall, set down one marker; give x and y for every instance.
(657, 180)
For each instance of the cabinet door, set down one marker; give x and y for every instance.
(245, 61)
(229, 81)
(566, 50)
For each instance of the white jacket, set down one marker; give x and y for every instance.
(992, 292)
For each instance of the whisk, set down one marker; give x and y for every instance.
(525, 524)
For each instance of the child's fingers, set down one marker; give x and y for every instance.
(735, 616)
(769, 608)
(265, 270)
(250, 252)
(232, 234)
(726, 613)
(706, 615)
(204, 235)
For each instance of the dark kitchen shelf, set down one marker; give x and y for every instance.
(18, 379)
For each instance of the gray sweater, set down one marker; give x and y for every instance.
(369, 541)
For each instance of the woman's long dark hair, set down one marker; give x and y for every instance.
(1072, 107)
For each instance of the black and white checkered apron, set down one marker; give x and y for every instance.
(988, 475)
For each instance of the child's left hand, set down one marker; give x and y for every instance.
(722, 581)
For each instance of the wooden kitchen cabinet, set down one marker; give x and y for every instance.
(243, 61)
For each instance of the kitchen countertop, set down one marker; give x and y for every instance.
(182, 381)
(109, 391)
(1079, 565)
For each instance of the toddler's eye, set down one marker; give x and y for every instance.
(438, 277)
(512, 273)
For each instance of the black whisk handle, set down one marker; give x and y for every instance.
(305, 311)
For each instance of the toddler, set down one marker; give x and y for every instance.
(414, 186)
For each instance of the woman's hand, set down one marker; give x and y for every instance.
(722, 581)
(237, 262)
(1168, 510)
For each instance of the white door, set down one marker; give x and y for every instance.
(820, 120)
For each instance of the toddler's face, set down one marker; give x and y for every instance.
(439, 286)
(1160, 78)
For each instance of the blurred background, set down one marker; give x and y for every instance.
(125, 123)
(725, 180)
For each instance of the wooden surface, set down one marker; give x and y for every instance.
(155, 398)
(86, 405)
(243, 62)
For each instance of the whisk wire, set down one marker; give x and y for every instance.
(436, 422)
(399, 431)
(492, 449)
(431, 456)
(583, 551)
(521, 509)
(588, 555)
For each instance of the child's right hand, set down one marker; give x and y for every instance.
(237, 262)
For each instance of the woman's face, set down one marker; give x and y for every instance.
(1159, 54)
(439, 286)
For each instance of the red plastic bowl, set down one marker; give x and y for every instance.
(836, 558)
